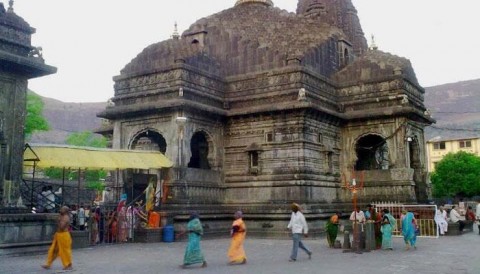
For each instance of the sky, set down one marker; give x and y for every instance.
(90, 41)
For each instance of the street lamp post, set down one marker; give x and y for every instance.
(354, 187)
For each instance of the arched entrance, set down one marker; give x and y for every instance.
(137, 180)
(372, 153)
(149, 140)
(199, 148)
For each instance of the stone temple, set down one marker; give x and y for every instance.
(259, 107)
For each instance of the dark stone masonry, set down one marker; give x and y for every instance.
(259, 107)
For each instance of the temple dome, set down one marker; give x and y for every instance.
(265, 2)
(376, 65)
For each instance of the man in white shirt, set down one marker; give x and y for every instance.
(81, 217)
(357, 216)
(358, 219)
(299, 227)
(456, 218)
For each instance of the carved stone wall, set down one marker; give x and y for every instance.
(13, 101)
(292, 159)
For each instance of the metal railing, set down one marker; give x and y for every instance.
(424, 214)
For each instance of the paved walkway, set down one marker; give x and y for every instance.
(450, 254)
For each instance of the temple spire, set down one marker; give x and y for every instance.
(373, 45)
(175, 35)
(265, 2)
(10, 6)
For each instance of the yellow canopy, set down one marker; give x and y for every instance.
(94, 158)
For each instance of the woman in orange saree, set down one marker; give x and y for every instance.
(236, 253)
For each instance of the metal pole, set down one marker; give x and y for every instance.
(78, 187)
(63, 186)
(33, 180)
(117, 185)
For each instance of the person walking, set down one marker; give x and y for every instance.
(193, 251)
(388, 225)
(409, 227)
(62, 242)
(332, 229)
(236, 252)
(298, 226)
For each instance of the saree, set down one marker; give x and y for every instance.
(60, 247)
(408, 229)
(193, 252)
(387, 230)
(332, 230)
(236, 253)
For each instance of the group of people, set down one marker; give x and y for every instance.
(384, 225)
(385, 221)
(236, 252)
(114, 225)
(442, 217)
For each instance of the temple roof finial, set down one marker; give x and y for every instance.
(265, 2)
(10, 6)
(373, 45)
(175, 34)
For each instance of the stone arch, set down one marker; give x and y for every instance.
(202, 150)
(149, 139)
(372, 152)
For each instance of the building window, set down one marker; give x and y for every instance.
(465, 144)
(439, 145)
(269, 137)
(253, 162)
(320, 138)
(435, 164)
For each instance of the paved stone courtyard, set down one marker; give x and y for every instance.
(450, 254)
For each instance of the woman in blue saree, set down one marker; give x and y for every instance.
(388, 225)
(409, 226)
(193, 252)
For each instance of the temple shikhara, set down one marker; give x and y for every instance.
(259, 107)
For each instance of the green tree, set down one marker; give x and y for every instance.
(457, 174)
(92, 178)
(35, 120)
(86, 139)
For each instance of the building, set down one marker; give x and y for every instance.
(259, 107)
(438, 147)
(19, 61)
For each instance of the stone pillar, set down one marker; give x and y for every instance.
(370, 236)
(346, 240)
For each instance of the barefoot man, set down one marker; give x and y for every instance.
(62, 242)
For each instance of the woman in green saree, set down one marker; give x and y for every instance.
(193, 252)
(388, 225)
(332, 229)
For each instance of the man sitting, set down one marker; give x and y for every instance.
(456, 218)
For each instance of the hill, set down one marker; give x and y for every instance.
(456, 107)
(65, 118)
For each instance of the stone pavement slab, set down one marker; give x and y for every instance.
(449, 254)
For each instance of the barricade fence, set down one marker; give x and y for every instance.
(424, 214)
